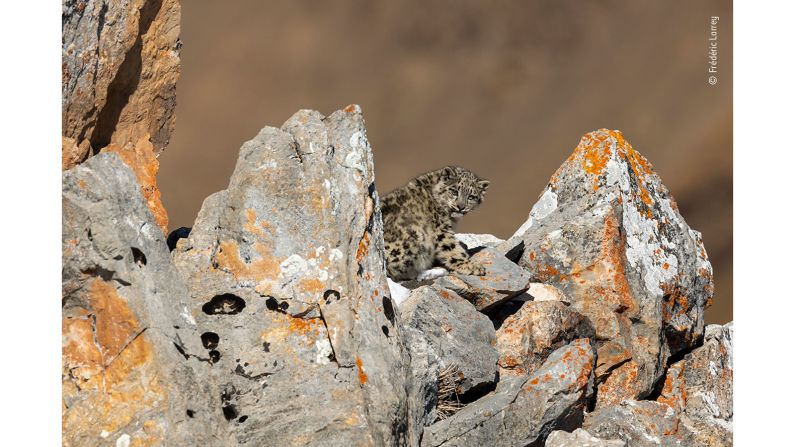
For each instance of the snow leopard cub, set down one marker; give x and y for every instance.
(419, 220)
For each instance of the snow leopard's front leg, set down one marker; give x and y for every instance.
(453, 257)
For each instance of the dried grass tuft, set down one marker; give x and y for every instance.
(448, 402)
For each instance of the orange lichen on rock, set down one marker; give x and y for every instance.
(312, 285)
(673, 393)
(594, 152)
(115, 322)
(362, 375)
(251, 223)
(71, 153)
(364, 244)
(228, 259)
(621, 384)
(109, 371)
(308, 327)
(141, 159)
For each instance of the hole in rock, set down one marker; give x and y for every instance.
(389, 311)
(210, 340)
(230, 412)
(284, 305)
(225, 304)
(271, 303)
(190, 413)
(242, 418)
(175, 236)
(385, 330)
(214, 357)
(330, 294)
(266, 346)
(138, 257)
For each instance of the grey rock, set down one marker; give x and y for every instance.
(546, 292)
(473, 241)
(580, 438)
(285, 269)
(441, 330)
(700, 389)
(125, 310)
(503, 280)
(607, 232)
(524, 410)
(526, 338)
(640, 423)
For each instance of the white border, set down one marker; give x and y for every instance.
(764, 196)
(30, 88)
(764, 255)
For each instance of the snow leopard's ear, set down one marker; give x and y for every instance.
(484, 185)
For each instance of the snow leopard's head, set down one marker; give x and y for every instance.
(459, 190)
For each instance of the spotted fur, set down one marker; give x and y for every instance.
(419, 220)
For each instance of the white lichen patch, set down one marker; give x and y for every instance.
(123, 440)
(617, 171)
(645, 251)
(334, 254)
(292, 267)
(359, 148)
(295, 268)
(710, 402)
(357, 140)
(604, 208)
(324, 350)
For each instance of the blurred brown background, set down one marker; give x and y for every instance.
(505, 88)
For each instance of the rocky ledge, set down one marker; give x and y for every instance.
(272, 320)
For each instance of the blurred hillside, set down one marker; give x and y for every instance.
(505, 88)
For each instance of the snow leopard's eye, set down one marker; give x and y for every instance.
(473, 197)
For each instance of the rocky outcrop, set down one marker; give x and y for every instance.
(124, 307)
(441, 330)
(694, 407)
(640, 423)
(503, 280)
(526, 338)
(524, 410)
(607, 232)
(120, 64)
(272, 322)
(285, 270)
(700, 389)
